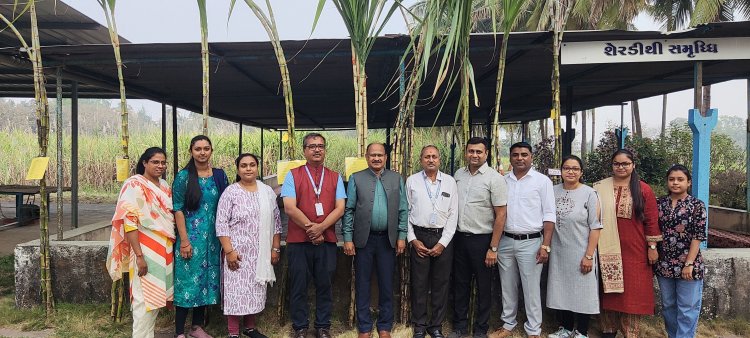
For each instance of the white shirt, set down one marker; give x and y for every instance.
(421, 208)
(531, 202)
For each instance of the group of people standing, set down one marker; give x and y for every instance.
(602, 244)
(196, 243)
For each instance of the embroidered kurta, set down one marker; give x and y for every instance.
(680, 226)
(197, 280)
(568, 288)
(238, 217)
(146, 208)
(638, 276)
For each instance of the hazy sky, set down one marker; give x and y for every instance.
(145, 21)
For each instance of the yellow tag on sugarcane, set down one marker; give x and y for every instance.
(552, 113)
(285, 137)
(353, 165)
(283, 167)
(37, 168)
(123, 169)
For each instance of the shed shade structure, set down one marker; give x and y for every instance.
(245, 81)
(59, 24)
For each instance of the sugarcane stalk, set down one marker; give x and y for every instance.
(43, 118)
(269, 24)
(205, 62)
(120, 299)
(109, 13)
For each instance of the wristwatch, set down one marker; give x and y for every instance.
(689, 264)
(277, 250)
(589, 257)
(546, 248)
(493, 248)
(652, 246)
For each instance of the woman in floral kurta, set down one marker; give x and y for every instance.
(682, 219)
(249, 227)
(196, 267)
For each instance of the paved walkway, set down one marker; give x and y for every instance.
(87, 214)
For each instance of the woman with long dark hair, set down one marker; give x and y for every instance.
(627, 247)
(682, 219)
(572, 283)
(142, 239)
(197, 271)
(249, 228)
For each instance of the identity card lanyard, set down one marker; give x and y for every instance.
(433, 199)
(317, 189)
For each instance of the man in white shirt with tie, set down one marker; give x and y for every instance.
(525, 244)
(433, 215)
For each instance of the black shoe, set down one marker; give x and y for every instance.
(418, 334)
(458, 334)
(253, 333)
(301, 333)
(609, 334)
(436, 334)
(324, 333)
(234, 336)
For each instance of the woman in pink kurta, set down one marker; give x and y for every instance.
(249, 227)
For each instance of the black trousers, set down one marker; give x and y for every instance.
(319, 262)
(430, 277)
(468, 261)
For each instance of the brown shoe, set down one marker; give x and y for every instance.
(501, 333)
(301, 333)
(324, 333)
(535, 336)
(384, 334)
(363, 335)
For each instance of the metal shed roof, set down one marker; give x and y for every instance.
(245, 76)
(59, 24)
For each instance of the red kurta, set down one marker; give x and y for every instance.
(638, 276)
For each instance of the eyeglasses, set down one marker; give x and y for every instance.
(621, 164)
(571, 169)
(316, 146)
(155, 162)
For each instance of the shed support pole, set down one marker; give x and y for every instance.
(240, 142)
(701, 125)
(747, 149)
(262, 153)
(164, 131)
(174, 141)
(570, 133)
(59, 160)
(74, 154)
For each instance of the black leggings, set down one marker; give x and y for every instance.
(180, 316)
(568, 318)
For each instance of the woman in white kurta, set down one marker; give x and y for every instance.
(249, 227)
(572, 284)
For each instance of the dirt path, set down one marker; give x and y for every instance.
(26, 334)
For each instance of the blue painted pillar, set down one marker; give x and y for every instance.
(702, 127)
(621, 133)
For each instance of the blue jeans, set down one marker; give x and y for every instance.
(380, 256)
(681, 301)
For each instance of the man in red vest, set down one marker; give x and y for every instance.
(314, 200)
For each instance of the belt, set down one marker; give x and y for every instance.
(379, 233)
(520, 237)
(468, 234)
(432, 230)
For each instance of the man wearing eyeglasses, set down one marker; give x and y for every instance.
(314, 199)
(482, 195)
(525, 244)
(374, 230)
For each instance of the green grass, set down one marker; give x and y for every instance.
(92, 320)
